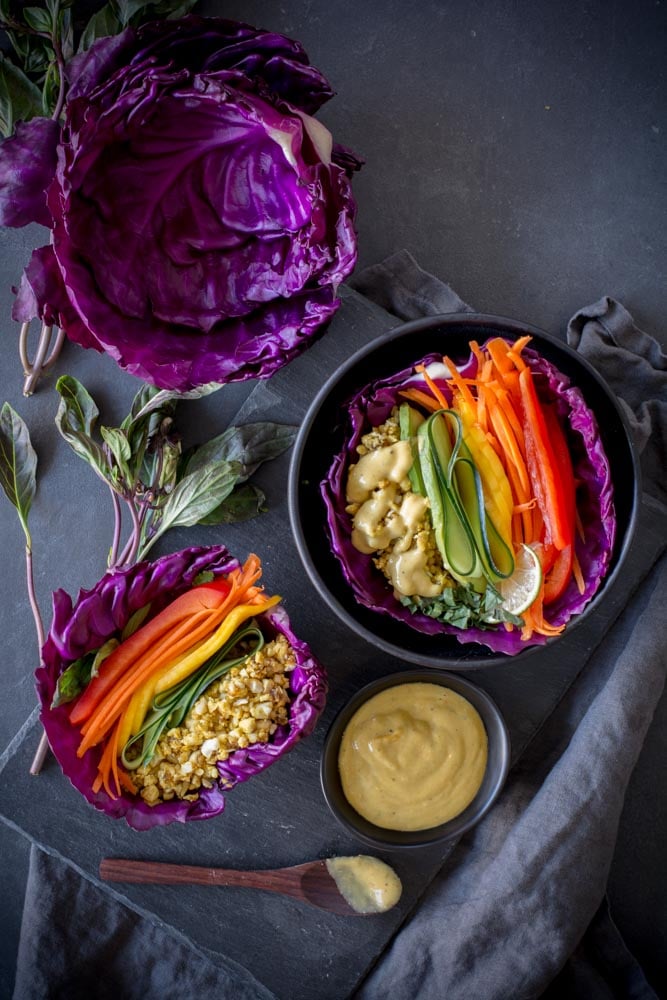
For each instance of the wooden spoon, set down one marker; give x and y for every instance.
(311, 882)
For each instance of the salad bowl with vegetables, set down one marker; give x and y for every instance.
(476, 495)
(170, 682)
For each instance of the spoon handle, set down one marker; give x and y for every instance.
(283, 880)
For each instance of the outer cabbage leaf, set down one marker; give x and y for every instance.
(373, 404)
(27, 168)
(102, 612)
(202, 218)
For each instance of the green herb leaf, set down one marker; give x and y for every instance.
(117, 443)
(101, 24)
(195, 496)
(75, 419)
(135, 622)
(73, 680)
(79, 674)
(243, 503)
(18, 465)
(164, 396)
(126, 9)
(249, 445)
(20, 99)
(464, 608)
(38, 19)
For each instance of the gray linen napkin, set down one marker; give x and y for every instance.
(519, 906)
(515, 898)
(79, 942)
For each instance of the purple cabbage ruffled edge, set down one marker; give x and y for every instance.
(104, 610)
(373, 404)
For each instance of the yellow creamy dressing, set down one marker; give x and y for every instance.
(413, 756)
(393, 462)
(386, 515)
(366, 883)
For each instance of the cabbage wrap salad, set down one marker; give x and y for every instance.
(170, 682)
(473, 499)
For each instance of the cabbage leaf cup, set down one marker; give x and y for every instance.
(362, 394)
(101, 613)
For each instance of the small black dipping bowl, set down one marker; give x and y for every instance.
(494, 777)
(322, 436)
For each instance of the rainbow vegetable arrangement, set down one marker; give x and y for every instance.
(131, 664)
(473, 499)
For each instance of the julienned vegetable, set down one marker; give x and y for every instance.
(477, 499)
(128, 733)
(202, 219)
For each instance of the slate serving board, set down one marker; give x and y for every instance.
(280, 818)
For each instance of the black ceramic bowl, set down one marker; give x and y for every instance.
(494, 777)
(322, 436)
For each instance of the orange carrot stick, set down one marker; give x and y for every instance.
(193, 601)
(421, 398)
(437, 392)
(116, 701)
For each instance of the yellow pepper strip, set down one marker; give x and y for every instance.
(183, 666)
(140, 702)
(188, 664)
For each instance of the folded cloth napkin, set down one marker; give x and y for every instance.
(518, 908)
(515, 898)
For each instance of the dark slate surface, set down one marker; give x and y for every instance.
(518, 151)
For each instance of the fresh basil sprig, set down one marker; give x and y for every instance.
(44, 38)
(142, 463)
(18, 466)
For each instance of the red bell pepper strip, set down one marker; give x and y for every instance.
(546, 478)
(561, 573)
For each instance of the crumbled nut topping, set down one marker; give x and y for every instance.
(244, 707)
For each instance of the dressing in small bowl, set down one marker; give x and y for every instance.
(415, 758)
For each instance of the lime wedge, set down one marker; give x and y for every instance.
(520, 589)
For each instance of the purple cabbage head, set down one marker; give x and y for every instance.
(202, 218)
(102, 612)
(374, 403)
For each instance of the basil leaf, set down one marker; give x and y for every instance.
(79, 674)
(243, 503)
(119, 446)
(135, 622)
(249, 445)
(195, 496)
(75, 419)
(464, 608)
(18, 464)
(165, 396)
(126, 9)
(73, 680)
(38, 19)
(20, 99)
(103, 23)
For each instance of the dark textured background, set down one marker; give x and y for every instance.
(518, 151)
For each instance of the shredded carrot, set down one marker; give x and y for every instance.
(421, 398)
(517, 359)
(437, 392)
(479, 355)
(577, 574)
(459, 382)
(519, 507)
(579, 526)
